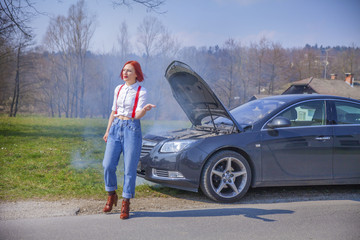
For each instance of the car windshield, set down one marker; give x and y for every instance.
(250, 112)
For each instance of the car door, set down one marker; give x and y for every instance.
(302, 151)
(346, 139)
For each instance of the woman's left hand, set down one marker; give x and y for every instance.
(149, 106)
(143, 111)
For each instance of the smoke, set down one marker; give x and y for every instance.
(91, 155)
(166, 127)
(88, 156)
(83, 161)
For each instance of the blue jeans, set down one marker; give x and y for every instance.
(124, 137)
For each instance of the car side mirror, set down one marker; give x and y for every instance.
(279, 122)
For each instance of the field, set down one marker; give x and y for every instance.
(53, 158)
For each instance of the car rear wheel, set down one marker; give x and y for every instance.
(226, 177)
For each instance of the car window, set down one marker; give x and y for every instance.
(309, 113)
(253, 111)
(347, 113)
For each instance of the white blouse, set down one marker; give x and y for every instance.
(126, 100)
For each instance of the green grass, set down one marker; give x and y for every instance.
(52, 158)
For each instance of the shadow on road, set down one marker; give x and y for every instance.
(246, 212)
(280, 194)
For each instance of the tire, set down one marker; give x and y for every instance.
(226, 177)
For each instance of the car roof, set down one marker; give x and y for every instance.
(297, 97)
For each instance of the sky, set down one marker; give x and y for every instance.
(291, 23)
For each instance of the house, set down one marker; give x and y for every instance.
(348, 88)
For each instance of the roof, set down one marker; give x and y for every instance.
(290, 98)
(328, 87)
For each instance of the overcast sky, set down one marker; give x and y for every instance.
(292, 23)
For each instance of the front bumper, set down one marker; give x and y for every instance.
(180, 170)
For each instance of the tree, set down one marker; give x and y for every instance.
(15, 99)
(150, 34)
(259, 54)
(7, 68)
(15, 36)
(168, 50)
(312, 66)
(56, 40)
(229, 67)
(151, 5)
(15, 15)
(123, 41)
(350, 60)
(51, 84)
(81, 32)
(277, 63)
(296, 64)
(23, 42)
(71, 36)
(169, 46)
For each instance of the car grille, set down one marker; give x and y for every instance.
(147, 146)
(160, 173)
(165, 174)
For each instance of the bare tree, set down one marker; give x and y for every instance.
(15, 99)
(7, 66)
(15, 15)
(277, 63)
(229, 67)
(151, 5)
(56, 40)
(297, 62)
(81, 32)
(15, 36)
(51, 84)
(259, 52)
(70, 36)
(312, 64)
(23, 42)
(168, 49)
(123, 41)
(349, 60)
(170, 46)
(150, 34)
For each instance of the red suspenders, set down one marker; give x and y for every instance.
(118, 97)
(135, 103)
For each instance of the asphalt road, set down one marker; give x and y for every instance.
(334, 219)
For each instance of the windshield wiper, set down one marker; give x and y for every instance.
(247, 127)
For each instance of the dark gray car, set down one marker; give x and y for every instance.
(283, 140)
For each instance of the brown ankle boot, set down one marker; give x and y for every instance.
(125, 209)
(112, 200)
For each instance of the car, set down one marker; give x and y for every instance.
(284, 140)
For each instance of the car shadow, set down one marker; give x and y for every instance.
(254, 213)
(279, 194)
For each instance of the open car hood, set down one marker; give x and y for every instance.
(194, 95)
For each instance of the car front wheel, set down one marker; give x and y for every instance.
(226, 177)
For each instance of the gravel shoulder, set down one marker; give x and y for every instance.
(181, 201)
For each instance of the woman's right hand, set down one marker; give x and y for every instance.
(111, 119)
(106, 136)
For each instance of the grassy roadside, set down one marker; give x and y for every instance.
(52, 158)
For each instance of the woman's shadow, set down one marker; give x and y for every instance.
(246, 212)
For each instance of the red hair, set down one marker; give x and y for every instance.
(138, 71)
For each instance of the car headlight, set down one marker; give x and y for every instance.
(176, 145)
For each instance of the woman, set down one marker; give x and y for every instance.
(123, 135)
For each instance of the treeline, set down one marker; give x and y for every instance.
(63, 78)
